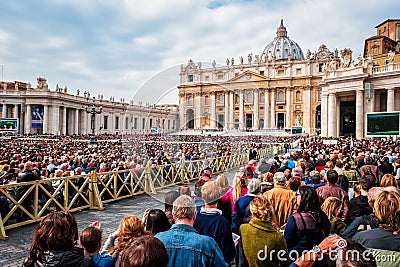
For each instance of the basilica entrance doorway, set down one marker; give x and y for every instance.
(190, 119)
(348, 118)
(249, 120)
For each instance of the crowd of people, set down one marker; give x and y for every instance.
(320, 205)
(25, 158)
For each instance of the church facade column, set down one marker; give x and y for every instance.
(231, 110)
(76, 122)
(241, 110)
(266, 109)
(16, 115)
(64, 121)
(28, 118)
(390, 99)
(227, 107)
(306, 122)
(213, 122)
(16, 111)
(273, 116)
(55, 122)
(359, 114)
(182, 122)
(4, 111)
(332, 120)
(46, 119)
(197, 113)
(288, 120)
(256, 95)
(324, 114)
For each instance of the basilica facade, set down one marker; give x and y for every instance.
(275, 89)
(324, 92)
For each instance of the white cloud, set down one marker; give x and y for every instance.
(120, 47)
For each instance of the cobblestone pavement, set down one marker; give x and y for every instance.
(14, 250)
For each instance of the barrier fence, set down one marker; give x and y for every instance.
(28, 202)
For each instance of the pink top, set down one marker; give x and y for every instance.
(228, 196)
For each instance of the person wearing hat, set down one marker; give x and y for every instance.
(206, 176)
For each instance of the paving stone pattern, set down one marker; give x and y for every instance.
(14, 250)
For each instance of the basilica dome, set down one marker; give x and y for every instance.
(282, 46)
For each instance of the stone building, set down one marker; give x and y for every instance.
(43, 111)
(275, 89)
(325, 92)
(372, 84)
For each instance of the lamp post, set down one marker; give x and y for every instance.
(92, 111)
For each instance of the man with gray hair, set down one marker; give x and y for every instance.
(185, 246)
(283, 200)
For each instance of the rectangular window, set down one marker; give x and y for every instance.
(135, 123)
(280, 72)
(220, 76)
(143, 123)
(190, 78)
(126, 123)
(262, 72)
(117, 123)
(398, 33)
(105, 122)
(207, 78)
(298, 71)
(169, 124)
(173, 124)
(151, 123)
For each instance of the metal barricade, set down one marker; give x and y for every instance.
(29, 202)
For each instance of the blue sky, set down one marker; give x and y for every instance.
(134, 49)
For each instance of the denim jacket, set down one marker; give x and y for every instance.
(186, 247)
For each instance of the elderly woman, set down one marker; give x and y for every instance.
(387, 212)
(260, 233)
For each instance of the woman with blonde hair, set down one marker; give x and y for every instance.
(260, 233)
(240, 188)
(387, 213)
(225, 204)
(130, 228)
(332, 207)
(389, 180)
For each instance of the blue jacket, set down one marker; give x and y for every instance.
(103, 260)
(186, 247)
(241, 212)
(211, 223)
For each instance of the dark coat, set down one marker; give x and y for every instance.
(68, 258)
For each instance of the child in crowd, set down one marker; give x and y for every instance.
(91, 241)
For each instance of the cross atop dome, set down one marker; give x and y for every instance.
(281, 31)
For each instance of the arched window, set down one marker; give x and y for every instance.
(190, 100)
(281, 96)
(206, 100)
(249, 97)
(298, 96)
